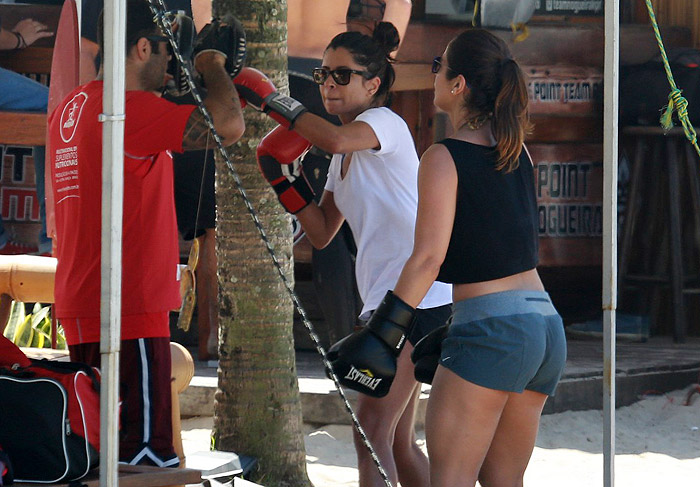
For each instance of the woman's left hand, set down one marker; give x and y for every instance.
(31, 30)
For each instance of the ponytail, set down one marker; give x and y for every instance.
(510, 116)
(497, 90)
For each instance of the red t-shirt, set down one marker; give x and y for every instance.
(150, 251)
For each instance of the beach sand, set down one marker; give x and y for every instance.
(657, 444)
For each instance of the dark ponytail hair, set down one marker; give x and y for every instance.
(374, 54)
(497, 90)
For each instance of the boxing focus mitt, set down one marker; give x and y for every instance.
(227, 37)
(279, 159)
(366, 360)
(426, 354)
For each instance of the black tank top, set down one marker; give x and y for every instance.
(495, 227)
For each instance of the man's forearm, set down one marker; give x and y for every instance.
(222, 99)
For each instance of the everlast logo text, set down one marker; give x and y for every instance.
(362, 378)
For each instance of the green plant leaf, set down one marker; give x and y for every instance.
(16, 318)
(24, 333)
(39, 338)
(61, 338)
(39, 315)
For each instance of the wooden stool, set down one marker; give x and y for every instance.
(659, 157)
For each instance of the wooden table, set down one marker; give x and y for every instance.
(138, 476)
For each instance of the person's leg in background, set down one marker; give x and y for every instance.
(146, 436)
(44, 242)
(18, 92)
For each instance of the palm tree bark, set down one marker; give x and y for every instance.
(258, 408)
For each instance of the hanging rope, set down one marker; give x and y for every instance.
(157, 8)
(676, 101)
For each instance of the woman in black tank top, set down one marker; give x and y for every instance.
(477, 228)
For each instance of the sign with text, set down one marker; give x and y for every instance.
(569, 190)
(19, 207)
(569, 7)
(564, 90)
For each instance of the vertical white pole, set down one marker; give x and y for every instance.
(112, 207)
(610, 152)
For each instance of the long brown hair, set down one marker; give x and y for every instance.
(497, 90)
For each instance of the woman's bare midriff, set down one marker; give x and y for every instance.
(528, 280)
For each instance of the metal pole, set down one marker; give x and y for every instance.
(112, 208)
(610, 152)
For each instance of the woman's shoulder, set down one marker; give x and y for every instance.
(380, 113)
(437, 155)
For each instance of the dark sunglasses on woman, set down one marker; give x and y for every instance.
(341, 75)
(437, 64)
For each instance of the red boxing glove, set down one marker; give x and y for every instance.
(278, 157)
(253, 86)
(260, 93)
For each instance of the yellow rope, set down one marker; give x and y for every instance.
(676, 101)
(520, 31)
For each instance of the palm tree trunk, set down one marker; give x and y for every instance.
(258, 408)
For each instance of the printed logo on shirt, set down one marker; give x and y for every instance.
(71, 116)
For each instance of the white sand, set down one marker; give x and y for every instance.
(658, 444)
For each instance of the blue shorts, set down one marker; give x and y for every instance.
(509, 341)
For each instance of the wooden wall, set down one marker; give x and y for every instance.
(682, 13)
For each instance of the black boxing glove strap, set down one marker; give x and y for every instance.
(392, 321)
(392, 335)
(394, 309)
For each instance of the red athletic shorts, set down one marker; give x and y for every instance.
(146, 435)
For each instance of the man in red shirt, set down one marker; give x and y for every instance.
(153, 128)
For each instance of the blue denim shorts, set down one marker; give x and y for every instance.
(509, 341)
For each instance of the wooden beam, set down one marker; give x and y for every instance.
(547, 44)
(23, 128)
(30, 60)
(413, 76)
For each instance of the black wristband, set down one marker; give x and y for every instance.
(21, 43)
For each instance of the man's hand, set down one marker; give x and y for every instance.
(206, 61)
(226, 37)
(30, 31)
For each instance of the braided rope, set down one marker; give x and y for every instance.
(676, 101)
(157, 10)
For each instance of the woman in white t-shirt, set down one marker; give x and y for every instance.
(372, 183)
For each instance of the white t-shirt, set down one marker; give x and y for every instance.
(379, 199)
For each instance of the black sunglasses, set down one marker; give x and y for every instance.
(437, 65)
(340, 75)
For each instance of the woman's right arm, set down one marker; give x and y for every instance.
(437, 200)
(336, 139)
(321, 221)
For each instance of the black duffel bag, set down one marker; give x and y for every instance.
(49, 416)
